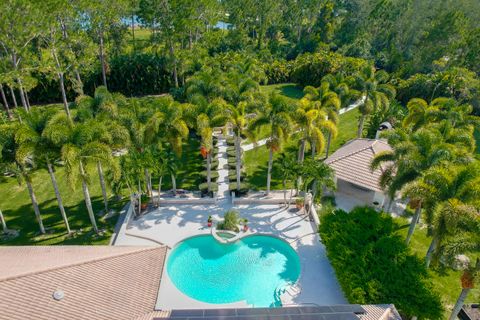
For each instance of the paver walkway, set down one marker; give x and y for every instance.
(222, 181)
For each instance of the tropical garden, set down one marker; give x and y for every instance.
(106, 99)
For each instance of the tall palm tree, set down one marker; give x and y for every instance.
(317, 175)
(377, 93)
(13, 158)
(276, 116)
(420, 113)
(452, 202)
(288, 168)
(469, 277)
(237, 117)
(339, 84)
(411, 156)
(327, 104)
(32, 135)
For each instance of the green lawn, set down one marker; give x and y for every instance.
(289, 90)
(17, 208)
(256, 160)
(445, 280)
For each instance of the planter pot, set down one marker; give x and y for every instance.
(209, 224)
(245, 228)
(144, 206)
(299, 206)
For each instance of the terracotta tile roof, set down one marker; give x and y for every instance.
(98, 282)
(352, 162)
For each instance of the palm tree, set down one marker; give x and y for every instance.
(317, 175)
(327, 104)
(237, 118)
(32, 135)
(420, 113)
(412, 155)
(276, 116)
(288, 168)
(208, 117)
(14, 158)
(338, 83)
(376, 91)
(452, 202)
(469, 278)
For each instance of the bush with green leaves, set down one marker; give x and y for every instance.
(373, 264)
(230, 221)
(244, 187)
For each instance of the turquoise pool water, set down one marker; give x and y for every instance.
(250, 269)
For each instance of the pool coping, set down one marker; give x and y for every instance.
(167, 284)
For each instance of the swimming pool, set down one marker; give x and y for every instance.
(252, 269)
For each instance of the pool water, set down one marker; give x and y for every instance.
(254, 269)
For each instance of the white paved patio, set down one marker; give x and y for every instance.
(170, 225)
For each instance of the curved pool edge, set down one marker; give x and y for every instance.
(289, 253)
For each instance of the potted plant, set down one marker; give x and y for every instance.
(300, 202)
(245, 225)
(144, 200)
(209, 221)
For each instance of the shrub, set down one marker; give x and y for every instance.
(230, 141)
(203, 187)
(232, 153)
(244, 187)
(278, 71)
(213, 175)
(230, 221)
(373, 264)
(310, 68)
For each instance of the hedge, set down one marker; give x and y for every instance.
(373, 264)
(244, 187)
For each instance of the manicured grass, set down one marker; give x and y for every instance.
(256, 160)
(446, 281)
(18, 211)
(289, 90)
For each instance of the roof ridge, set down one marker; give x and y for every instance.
(26, 274)
(352, 153)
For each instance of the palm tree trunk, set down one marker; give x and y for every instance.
(360, 126)
(133, 33)
(174, 59)
(413, 223)
(238, 160)
(329, 142)
(64, 94)
(12, 93)
(209, 171)
(4, 224)
(27, 100)
(284, 183)
(59, 197)
(148, 181)
(35, 204)
(301, 157)
(79, 83)
(174, 183)
(102, 60)
(159, 188)
(459, 303)
(314, 151)
(269, 170)
(88, 201)
(103, 185)
(431, 249)
(22, 96)
(5, 103)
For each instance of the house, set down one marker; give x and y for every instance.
(356, 183)
(121, 283)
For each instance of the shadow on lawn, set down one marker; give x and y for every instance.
(24, 221)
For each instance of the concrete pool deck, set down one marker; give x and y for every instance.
(170, 225)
